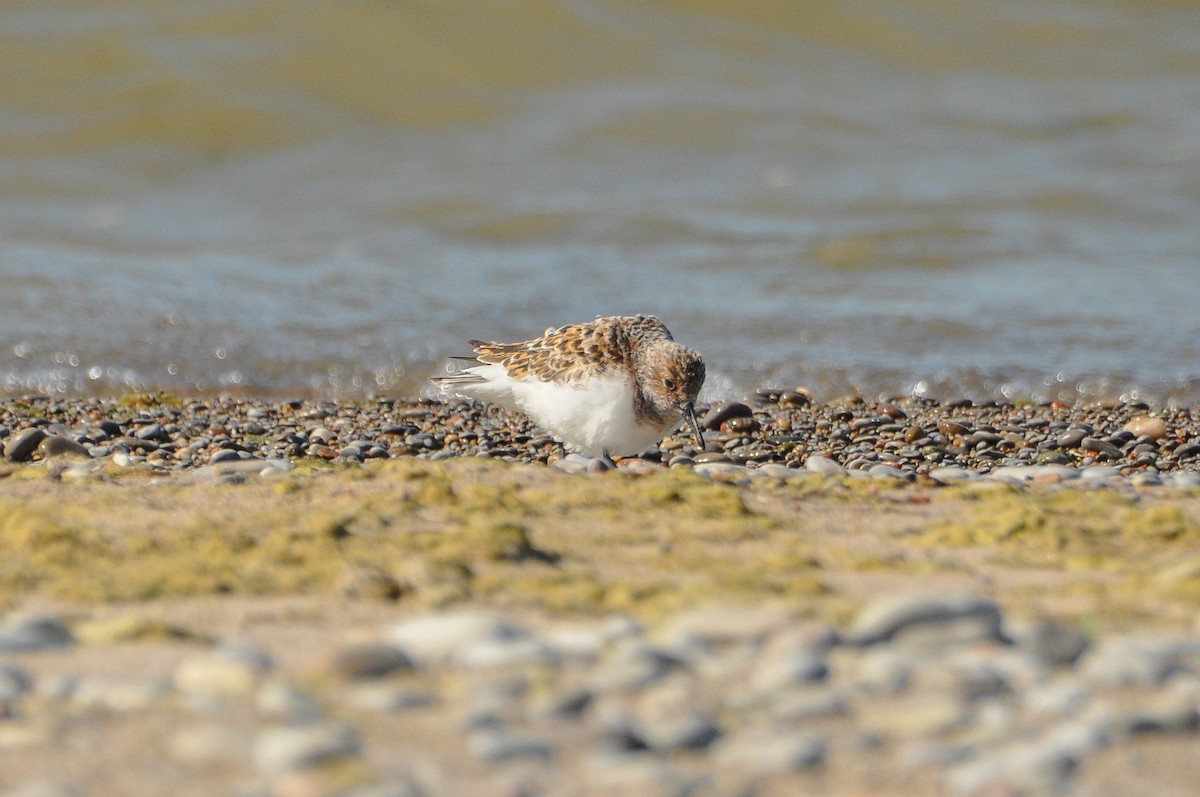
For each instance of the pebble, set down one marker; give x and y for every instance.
(969, 617)
(951, 474)
(230, 671)
(371, 660)
(1100, 447)
(919, 439)
(1146, 426)
(688, 730)
(21, 447)
(823, 466)
(290, 748)
(498, 746)
(58, 446)
(1129, 661)
(723, 472)
(438, 638)
(732, 697)
(721, 413)
(888, 472)
(34, 633)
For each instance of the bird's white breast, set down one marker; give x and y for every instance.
(590, 416)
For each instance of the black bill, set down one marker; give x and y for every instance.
(689, 412)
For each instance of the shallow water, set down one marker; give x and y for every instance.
(990, 200)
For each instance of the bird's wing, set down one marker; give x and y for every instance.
(572, 352)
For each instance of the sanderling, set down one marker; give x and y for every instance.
(613, 386)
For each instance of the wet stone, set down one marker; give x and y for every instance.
(152, 432)
(1102, 447)
(20, 447)
(57, 446)
(721, 413)
(1187, 450)
(1072, 438)
(952, 429)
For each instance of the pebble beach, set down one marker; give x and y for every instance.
(417, 597)
(904, 439)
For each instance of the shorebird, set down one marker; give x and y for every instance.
(613, 386)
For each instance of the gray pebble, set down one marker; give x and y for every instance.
(34, 633)
(600, 465)
(572, 463)
(287, 749)
(890, 616)
(21, 447)
(510, 652)
(57, 446)
(1054, 645)
(152, 432)
(495, 746)
(1166, 713)
(13, 681)
(774, 471)
(951, 473)
(1028, 473)
(888, 472)
(682, 731)
(1099, 473)
(1098, 446)
(1071, 438)
(1183, 479)
(371, 660)
(1130, 661)
(387, 697)
(824, 466)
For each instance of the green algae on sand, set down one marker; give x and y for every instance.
(435, 533)
(443, 532)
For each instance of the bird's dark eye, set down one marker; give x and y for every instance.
(669, 384)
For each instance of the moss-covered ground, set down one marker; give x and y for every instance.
(431, 534)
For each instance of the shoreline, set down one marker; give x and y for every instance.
(904, 439)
